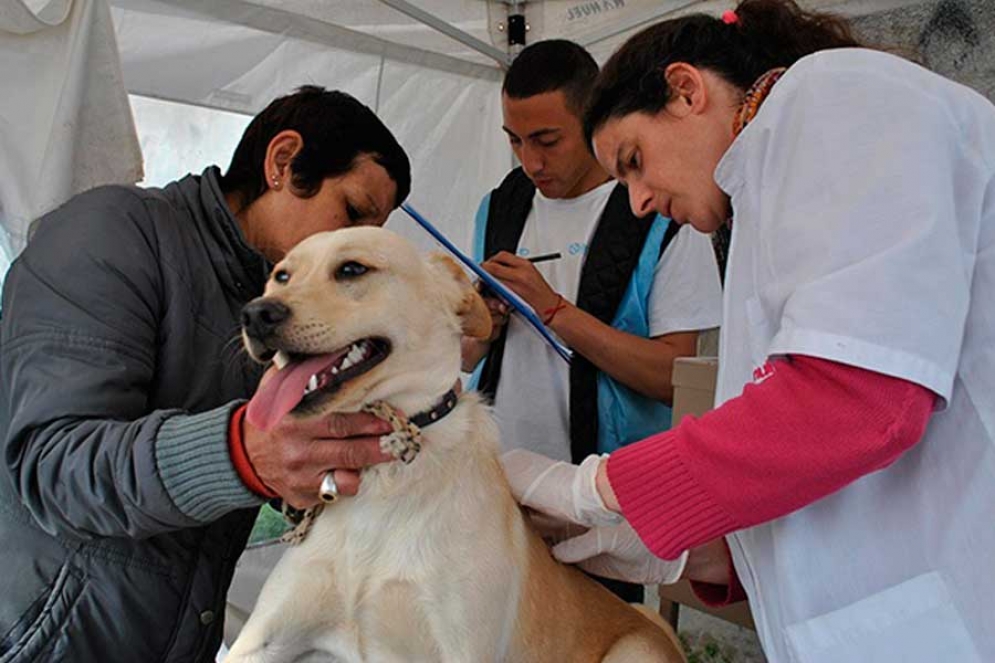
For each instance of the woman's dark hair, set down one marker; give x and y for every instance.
(550, 66)
(765, 35)
(337, 130)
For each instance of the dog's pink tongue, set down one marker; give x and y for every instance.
(283, 391)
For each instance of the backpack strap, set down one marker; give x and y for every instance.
(611, 259)
(506, 216)
(672, 229)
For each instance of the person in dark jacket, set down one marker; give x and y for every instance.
(129, 480)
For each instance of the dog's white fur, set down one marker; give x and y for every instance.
(432, 561)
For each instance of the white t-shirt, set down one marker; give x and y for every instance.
(532, 400)
(864, 205)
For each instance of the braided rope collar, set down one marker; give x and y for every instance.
(403, 443)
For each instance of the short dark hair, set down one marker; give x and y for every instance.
(550, 66)
(766, 34)
(336, 129)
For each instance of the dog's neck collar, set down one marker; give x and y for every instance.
(443, 407)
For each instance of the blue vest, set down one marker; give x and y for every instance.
(624, 415)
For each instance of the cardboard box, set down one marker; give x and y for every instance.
(694, 385)
(694, 393)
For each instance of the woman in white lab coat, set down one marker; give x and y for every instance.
(850, 463)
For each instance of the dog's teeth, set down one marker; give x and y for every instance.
(356, 353)
(280, 359)
(335, 370)
(312, 384)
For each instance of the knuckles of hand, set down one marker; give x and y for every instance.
(300, 451)
(339, 426)
(295, 457)
(352, 455)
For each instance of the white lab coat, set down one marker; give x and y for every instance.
(864, 205)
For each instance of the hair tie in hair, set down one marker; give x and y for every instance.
(729, 17)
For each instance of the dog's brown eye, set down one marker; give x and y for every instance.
(281, 276)
(350, 270)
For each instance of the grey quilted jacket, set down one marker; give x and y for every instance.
(121, 516)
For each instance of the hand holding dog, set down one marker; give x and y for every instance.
(472, 350)
(562, 490)
(568, 493)
(616, 551)
(292, 458)
(499, 318)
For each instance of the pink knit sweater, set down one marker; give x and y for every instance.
(809, 428)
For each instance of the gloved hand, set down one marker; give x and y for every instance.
(616, 551)
(552, 530)
(562, 490)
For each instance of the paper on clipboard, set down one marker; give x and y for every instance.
(516, 303)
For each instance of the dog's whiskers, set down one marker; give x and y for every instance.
(235, 346)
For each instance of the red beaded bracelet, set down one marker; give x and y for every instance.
(550, 313)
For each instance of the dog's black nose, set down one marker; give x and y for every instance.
(261, 317)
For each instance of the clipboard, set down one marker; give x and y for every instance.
(517, 304)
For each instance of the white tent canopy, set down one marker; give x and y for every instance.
(198, 69)
(431, 69)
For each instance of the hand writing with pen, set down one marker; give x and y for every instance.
(522, 278)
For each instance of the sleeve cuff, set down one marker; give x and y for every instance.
(718, 596)
(196, 468)
(240, 458)
(661, 499)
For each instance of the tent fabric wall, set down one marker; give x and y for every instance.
(65, 124)
(447, 117)
(178, 138)
(451, 128)
(239, 63)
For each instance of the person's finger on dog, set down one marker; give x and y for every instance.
(495, 305)
(355, 424)
(499, 317)
(498, 309)
(474, 348)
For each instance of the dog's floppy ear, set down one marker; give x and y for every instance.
(470, 307)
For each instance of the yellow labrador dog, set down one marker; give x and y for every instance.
(433, 560)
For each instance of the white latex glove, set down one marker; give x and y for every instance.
(617, 552)
(553, 530)
(558, 489)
